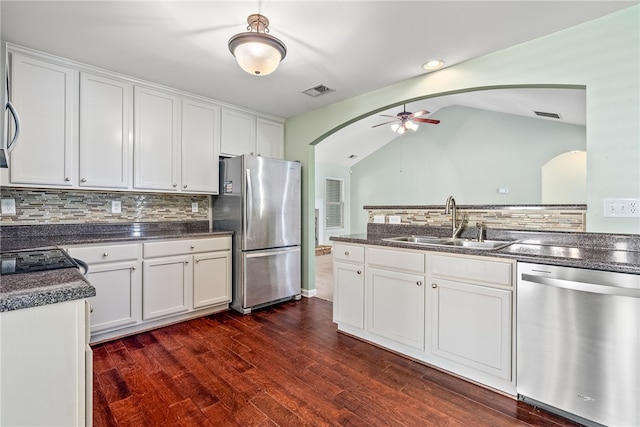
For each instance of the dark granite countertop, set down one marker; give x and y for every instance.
(18, 291)
(595, 251)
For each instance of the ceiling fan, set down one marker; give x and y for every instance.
(405, 120)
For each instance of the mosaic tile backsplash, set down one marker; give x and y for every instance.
(35, 206)
(534, 218)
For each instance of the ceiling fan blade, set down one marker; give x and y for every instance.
(387, 115)
(432, 121)
(385, 123)
(419, 113)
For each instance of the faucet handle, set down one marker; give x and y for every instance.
(480, 232)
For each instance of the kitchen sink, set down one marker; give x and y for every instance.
(449, 242)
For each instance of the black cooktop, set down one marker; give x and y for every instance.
(31, 260)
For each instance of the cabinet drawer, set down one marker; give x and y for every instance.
(348, 253)
(105, 253)
(476, 270)
(396, 260)
(179, 247)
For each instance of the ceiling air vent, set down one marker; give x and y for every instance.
(317, 90)
(549, 115)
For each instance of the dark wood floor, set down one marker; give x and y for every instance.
(284, 366)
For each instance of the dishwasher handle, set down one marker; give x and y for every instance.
(582, 286)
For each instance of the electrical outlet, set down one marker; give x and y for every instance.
(622, 208)
(395, 219)
(378, 219)
(194, 207)
(116, 206)
(8, 207)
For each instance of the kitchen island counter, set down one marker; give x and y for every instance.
(595, 251)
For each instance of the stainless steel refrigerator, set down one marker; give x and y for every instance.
(260, 201)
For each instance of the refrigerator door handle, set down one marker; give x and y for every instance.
(272, 252)
(249, 211)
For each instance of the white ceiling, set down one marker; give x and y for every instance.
(353, 47)
(361, 138)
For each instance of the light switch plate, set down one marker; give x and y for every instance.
(116, 206)
(8, 206)
(378, 219)
(194, 207)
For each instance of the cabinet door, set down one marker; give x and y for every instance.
(269, 138)
(156, 143)
(348, 294)
(45, 95)
(166, 286)
(200, 141)
(118, 299)
(471, 325)
(106, 119)
(396, 306)
(238, 133)
(211, 279)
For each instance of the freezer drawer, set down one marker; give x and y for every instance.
(270, 275)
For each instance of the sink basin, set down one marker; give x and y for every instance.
(424, 240)
(449, 242)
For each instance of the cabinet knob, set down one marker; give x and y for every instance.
(193, 247)
(106, 254)
(433, 285)
(346, 253)
(83, 180)
(67, 179)
(175, 185)
(359, 271)
(186, 262)
(197, 260)
(90, 308)
(419, 283)
(184, 186)
(133, 268)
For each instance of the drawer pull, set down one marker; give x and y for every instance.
(197, 260)
(359, 271)
(106, 254)
(434, 285)
(186, 262)
(346, 253)
(184, 186)
(133, 268)
(83, 180)
(67, 179)
(193, 247)
(419, 283)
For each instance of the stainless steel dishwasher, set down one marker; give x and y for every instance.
(578, 343)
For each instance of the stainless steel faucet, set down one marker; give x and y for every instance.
(450, 207)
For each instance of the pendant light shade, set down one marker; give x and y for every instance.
(257, 52)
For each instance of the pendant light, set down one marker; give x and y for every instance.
(256, 51)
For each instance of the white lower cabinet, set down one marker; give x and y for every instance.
(395, 306)
(454, 311)
(348, 285)
(165, 286)
(144, 285)
(116, 273)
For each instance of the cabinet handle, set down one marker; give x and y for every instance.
(419, 283)
(67, 179)
(434, 285)
(346, 253)
(83, 180)
(359, 271)
(106, 254)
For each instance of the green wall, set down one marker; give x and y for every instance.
(603, 55)
(469, 155)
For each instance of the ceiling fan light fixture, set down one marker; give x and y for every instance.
(256, 51)
(434, 64)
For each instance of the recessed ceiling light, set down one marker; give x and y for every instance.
(433, 64)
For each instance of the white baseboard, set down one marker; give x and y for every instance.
(309, 293)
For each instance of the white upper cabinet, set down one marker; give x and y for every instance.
(238, 133)
(106, 123)
(200, 142)
(269, 138)
(244, 133)
(45, 95)
(156, 141)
